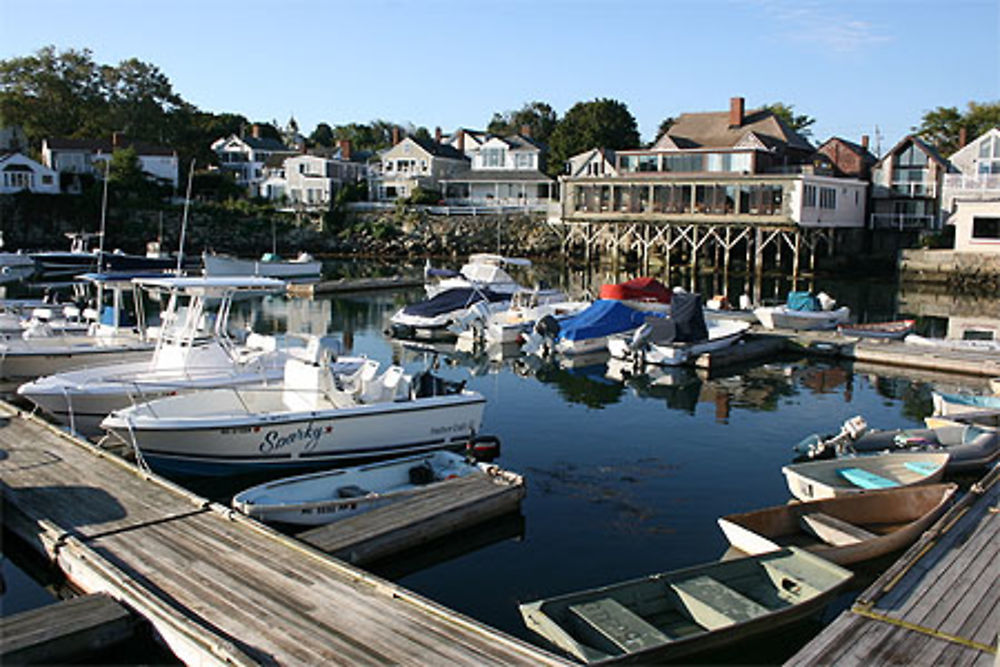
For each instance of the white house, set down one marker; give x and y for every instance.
(978, 164)
(20, 173)
(596, 162)
(827, 201)
(87, 156)
(312, 179)
(245, 157)
(977, 226)
(503, 171)
(412, 163)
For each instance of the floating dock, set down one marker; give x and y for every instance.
(427, 515)
(345, 285)
(218, 587)
(938, 605)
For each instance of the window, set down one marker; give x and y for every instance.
(628, 162)
(46, 179)
(648, 163)
(494, 158)
(683, 163)
(760, 199)
(986, 228)
(809, 196)
(828, 198)
(524, 161)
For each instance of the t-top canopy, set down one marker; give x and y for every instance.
(209, 284)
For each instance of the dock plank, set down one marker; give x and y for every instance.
(64, 631)
(219, 587)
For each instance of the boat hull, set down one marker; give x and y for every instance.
(217, 265)
(817, 480)
(247, 443)
(909, 512)
(31, 364)
(882, 330)
(780, 317)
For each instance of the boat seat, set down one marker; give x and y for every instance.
(617, 624)
(834, 531)
(714, 605)
(866, 480)
(790, 581)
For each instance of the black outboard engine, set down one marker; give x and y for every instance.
(547, 326)
(484, 448)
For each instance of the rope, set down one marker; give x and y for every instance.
(968, 643)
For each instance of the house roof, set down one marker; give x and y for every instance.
(267, 144)
(867, 156)
(107, 146)
(439, 150)
(712, 130)
(498, 176)
(920, 143)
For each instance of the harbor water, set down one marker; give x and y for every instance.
(626, 474)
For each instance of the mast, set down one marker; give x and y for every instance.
(104, 214)
(184, 218)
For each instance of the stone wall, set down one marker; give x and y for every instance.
(963, 271)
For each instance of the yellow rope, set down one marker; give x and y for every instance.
(927, 631)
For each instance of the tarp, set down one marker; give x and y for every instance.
(453, 299)
(688, 315)
(804, 301)
(602, 318)
(637, 289)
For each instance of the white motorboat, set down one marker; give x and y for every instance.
(679, 338)
(433, 319)
(43, 320)
(319, 498)
(323, 412)
(117, 332)
(182, 361)
(482, 270)
(946, 404)
(78, 259)
(961, 344)
(585, 332)
(268, 266)
(15, 266)
(803, 311)
(526, 307)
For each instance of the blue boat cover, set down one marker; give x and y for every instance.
(803, 301)
(974, 401)
(453, 299)
(604, 317)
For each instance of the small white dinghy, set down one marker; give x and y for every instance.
(803, 311)
(839, 477)
(319, 498)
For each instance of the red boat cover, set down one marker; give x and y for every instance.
(637, 289)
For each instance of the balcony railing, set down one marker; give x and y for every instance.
(903, 221)
(914, 189)
(975, 182)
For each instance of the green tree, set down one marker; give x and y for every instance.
(602, 123)
(798, 122)
(538, 117)
(941, 126)
(322, 136)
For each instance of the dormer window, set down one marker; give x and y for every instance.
(989, 156)
(494, 158)
(524, 161)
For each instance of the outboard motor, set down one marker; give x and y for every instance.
(548, 326)
(483, 448)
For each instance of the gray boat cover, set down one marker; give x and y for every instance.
(687, 312)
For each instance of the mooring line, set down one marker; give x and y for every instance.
(968, 643)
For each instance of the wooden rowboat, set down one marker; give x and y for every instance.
(815, 480)
(843, 530)
(892, 330)
(673, 614)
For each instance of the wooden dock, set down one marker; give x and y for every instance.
(345, 285)
(64, 631)
(429, 514)
(218, 587)
(938, 605)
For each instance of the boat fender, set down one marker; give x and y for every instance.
(483, 447)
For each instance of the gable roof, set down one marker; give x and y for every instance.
(439, 150)
(922, 145)
(866, 155)
(267, 144)
(973, 145)
(711, 129)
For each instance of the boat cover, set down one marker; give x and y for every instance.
(453, 299)
(688, 315)
(637, 289)
(604, 317)
(804, 301)
(441, 273)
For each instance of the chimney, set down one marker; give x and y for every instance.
(735, 112)
(345, 149)
(526, 131)
(117, 140)
(255, 131)
(395, 135)
(963, 136)
(864, 141)
(461, 140)
(437, 134)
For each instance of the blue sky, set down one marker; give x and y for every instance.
(851, 65)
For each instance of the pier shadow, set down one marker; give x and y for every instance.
(69, 507)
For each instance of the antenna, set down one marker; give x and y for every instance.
(878, 142)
